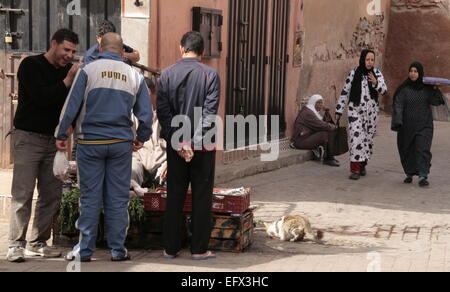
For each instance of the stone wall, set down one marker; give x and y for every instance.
(419, 30)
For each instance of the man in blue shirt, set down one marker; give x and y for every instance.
(130, 55)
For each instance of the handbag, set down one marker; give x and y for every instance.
(340, 143)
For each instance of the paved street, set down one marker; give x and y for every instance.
(376, 224)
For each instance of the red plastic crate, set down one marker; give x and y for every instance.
(157, 201)
(227, 204)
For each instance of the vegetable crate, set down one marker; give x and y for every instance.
(232, 234)
(222, 202)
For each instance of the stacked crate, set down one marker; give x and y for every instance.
(232, 233)
(232, 220)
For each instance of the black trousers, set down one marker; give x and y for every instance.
(200, 175)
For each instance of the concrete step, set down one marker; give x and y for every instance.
(251, 167)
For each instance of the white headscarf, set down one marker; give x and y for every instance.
(312, 105)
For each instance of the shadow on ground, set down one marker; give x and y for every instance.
(263, 251)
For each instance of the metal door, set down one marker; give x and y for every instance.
(257, 39)
(246, 59)
(30, 24)
(279, 61)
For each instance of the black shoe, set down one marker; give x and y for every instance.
(363, 171)
(424, 183)
(408, 180)
(331, 162)
(121, 259)
(355, 176)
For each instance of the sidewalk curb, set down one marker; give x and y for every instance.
(251, 167)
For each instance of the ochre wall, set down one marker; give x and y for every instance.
(335, 33)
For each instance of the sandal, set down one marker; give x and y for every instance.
(170, 257)
(207, 256)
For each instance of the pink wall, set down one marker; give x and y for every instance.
(335, 34)
(428, 43)
(293, 73)
(170, 20)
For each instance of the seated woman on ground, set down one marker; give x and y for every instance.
(315, 132)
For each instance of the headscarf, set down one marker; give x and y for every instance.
(416, 85)
(312, 105)
(355, 95)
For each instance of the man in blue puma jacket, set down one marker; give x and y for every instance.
(104, 95)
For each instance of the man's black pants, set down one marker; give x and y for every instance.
(200, 174)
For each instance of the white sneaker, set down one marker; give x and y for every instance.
(16, 255)
(42, 251)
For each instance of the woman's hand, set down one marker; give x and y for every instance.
(338, 118)
(373, 79)
(396, 127)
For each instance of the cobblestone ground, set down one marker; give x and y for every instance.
(376, 224)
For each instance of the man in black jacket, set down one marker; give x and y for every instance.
(189, 92)
(44, 83)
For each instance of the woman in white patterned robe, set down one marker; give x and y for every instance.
(362, 89)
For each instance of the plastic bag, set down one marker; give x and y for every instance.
(61, 166)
